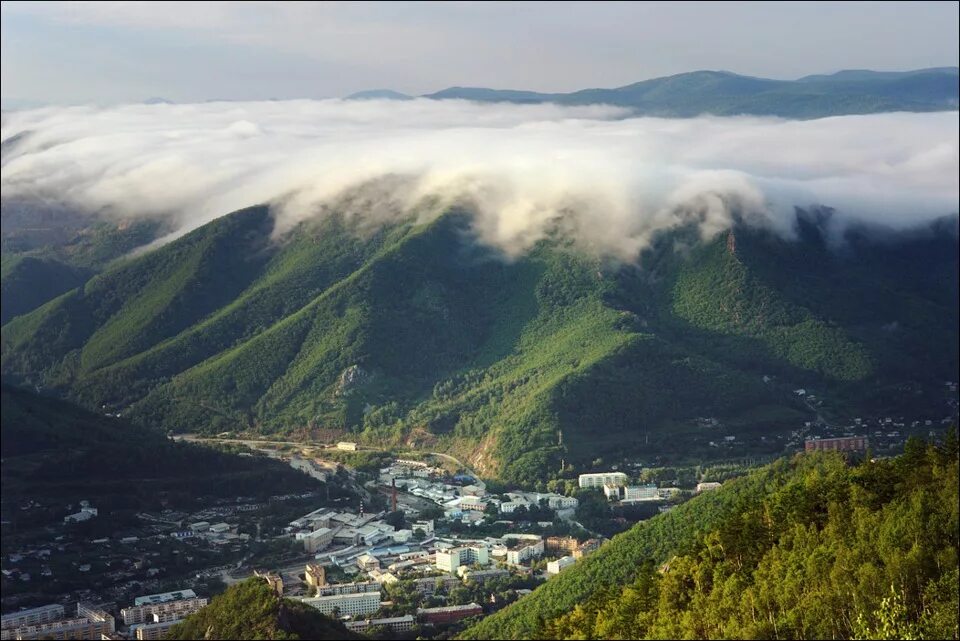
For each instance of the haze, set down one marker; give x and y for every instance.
(69, 53)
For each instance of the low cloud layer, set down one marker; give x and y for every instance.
(609, 180)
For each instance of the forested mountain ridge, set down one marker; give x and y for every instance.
(417, 333)
(723, 93)
(808, 548)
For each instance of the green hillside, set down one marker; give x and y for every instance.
(26, 282)
(808, 548)
(54, 450)
(251, 610)
(417, 335)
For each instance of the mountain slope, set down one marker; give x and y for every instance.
(768, 555)
(26, 282)
(417, 334)
(724, 93)
(251, 610)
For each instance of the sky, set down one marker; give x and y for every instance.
(106, 53)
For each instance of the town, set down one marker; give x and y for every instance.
(395, 545)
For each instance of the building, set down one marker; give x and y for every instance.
(554, 567)
(521, 547)
(221, 528)
(647, 492)
(558, 544)
(164, 597)
(85, 514)
(152, 631)
(448, 613)
(367, 562)
(358, 604)
(145, 613)
(273, 579)
(90, 623)
(612, 491)
(557, 502)
(200, 526)
(348, 588)
(481, 576)
(428, 585)
(706, 487)
(841, 444)
(474, 503)
(450, 560)
(426, 526)
(347, 445)
(317, 540)
(602, 478)
(587, 547)
(394, 624)
(316, 575)
(33, 616)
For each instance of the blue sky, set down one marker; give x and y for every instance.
(113, 52)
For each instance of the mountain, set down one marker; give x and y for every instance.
(727, 94)
(251, 610)
(416, 334)
(808, 548)
(49, 249)
(378, 94)
(26, 282)
(54, 451)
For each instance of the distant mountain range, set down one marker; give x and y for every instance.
(723, 93)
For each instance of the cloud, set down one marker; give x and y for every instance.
(608, 180)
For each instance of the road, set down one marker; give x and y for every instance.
(254, 442)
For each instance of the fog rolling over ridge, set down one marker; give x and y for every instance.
(607, 179)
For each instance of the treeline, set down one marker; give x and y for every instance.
(825, 549)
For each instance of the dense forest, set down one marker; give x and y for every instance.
(814, 547)
(416, 334)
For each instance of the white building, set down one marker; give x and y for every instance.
(522, 547)
(164, 597)
(554, 567)
(145, 613)
(472, 503)
(347, 445)
(394, 624)
(647, 492)
(317, 540)
(705, 487)
(558, 502)
(357, 604)
(85, 514)
(611, 491)
(450, 560)
(33, 616)
(602, 478)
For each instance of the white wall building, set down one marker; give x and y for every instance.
(647, 492)
(602, 478)
(554, 567)
(357, 604)
(450, 560)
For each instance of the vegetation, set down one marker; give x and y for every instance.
(814, 547)
(251, 610)
(415, 336)
(56, 451)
